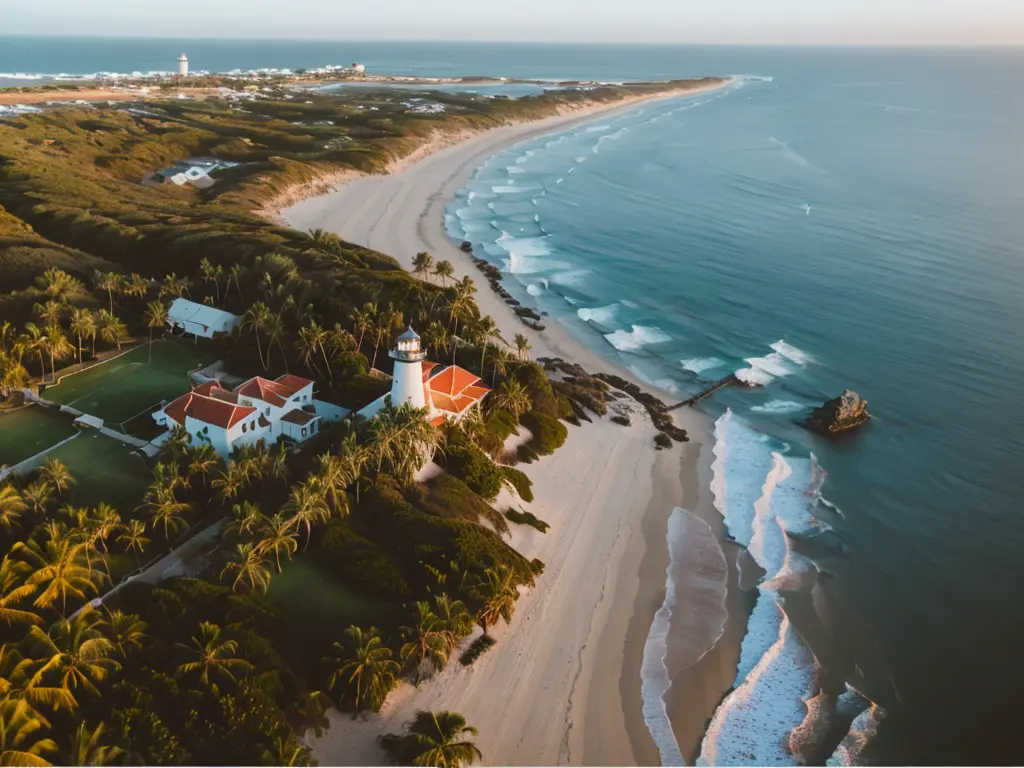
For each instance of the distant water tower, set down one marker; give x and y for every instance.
(183, 65)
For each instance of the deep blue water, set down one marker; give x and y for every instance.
(864, 205)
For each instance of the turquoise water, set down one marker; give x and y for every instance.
(865, 207)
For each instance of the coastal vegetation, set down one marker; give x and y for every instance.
(171, 610)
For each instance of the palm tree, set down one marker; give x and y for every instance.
(13, 590)
(137, 286)
(212, 656)
(255, 320)
(307, 503)
(523, 346)
(235, 276)
(19, 744)
(426, 643)
(311, 343)
(512, 396)
(60, 286)
(111, 282)
(352, 457)
(422, 264)
(251, 567)
(487, 331)
(444, 271)
(83, 325)
(435, 336)
(58, 346)
(276, 334)
(498, 592)
(365, 663)
(164, 508)
(156, 317)
(49, 312)
(56, 475)
(276, 465)
(232, 481)
(438, 739)
(173, 286)
(134, 539)
(74, 653)
(37, 496)
(279, 534)
(112, 330)
(363, 320)
(203, 459)
(387, 321)
(86, 749)
(454, 617)
(60, 569)
(499, 364)
(126, 632)
(11, 507)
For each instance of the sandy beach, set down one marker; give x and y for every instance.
(563, 684)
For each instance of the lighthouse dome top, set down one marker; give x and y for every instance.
(409, 335)
(407, 347)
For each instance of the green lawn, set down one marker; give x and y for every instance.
(117, 390)
(27, 431)
(104, 470)
(317, 602)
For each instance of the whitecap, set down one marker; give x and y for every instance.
(638, 338)
(600, 315)
(698, 365)
(524, 246)
(783, 361)
(779, 407)
(572, 278)
(790, 352)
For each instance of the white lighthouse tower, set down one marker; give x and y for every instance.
(407, 381)
(183, 65)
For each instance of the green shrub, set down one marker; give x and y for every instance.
(622, 419)
(521, 517)
(447, 496)
(549, 434)
(361, 563)
(416, 540)
(466, 461)
(545, 400)
(519, 481)
(498, 426)
(661, 440)
(476, 649)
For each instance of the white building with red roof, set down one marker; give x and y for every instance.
(259, 409)
(447, 391)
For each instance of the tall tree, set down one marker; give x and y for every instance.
(512, 396)
(444, 271)
(255, 320)
(364, 666)
(12, 505)
(60, 570)
(74, 654)
(438, 739)
(134, 539)
(307, 503)
(111, 282)
(426, 645)
(213, 656)
(156, 317)
(498, 592)
(14, 591)
(422, 264)
(279, 535)
(250, 568)
(20, 741)
(87, 748)
(56, 474)
(83, 325)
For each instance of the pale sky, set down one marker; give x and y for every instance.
(966, 22)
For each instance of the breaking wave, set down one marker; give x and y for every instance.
(784, 360)
(699, 365)
(600, 315)
(779, 407)
(638, 338)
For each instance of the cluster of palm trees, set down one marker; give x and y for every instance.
(439, 739)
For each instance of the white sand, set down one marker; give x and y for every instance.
(528, 693)
(563, 683)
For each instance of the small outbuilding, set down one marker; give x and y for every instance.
(186, 316)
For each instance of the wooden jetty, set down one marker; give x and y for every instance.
(709, 390)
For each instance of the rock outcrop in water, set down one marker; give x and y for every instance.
(846, 412)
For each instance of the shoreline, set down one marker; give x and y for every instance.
(602, 635)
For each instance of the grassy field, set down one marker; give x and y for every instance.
(104, 470)
(27, 431)
(117, 390)
(316, 601)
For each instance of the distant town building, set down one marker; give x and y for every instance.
(359, 69)
(183, 65)
(447, 392)
(199, 319)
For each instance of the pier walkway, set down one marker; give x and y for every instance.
(709, 390)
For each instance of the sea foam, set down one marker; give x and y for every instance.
(600, 315)
(784, 360)
(699, 365)
(638, 338)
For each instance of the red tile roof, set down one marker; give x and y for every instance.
(209, 410)
(452, 380)
(427, 368)
(273, 392)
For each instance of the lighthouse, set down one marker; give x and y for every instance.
(407, 380)
(183, 65)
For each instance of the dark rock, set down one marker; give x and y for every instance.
(526, 312)
(466, 246)
(848, 411)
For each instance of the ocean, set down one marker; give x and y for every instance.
(836, 218)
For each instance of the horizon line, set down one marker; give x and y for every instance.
(491, 41)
